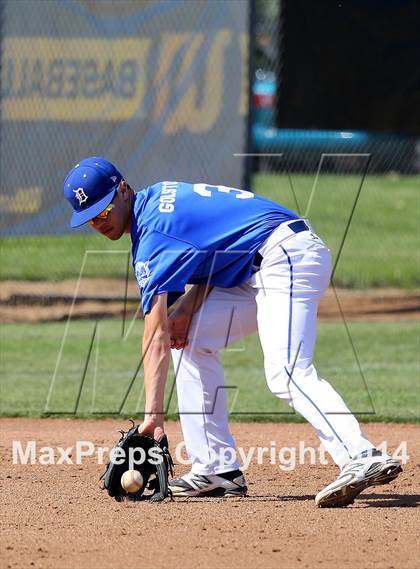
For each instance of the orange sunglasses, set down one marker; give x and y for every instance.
(103, 215)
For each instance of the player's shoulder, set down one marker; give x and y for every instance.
(165, 184)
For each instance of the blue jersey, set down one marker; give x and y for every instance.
(196, 233)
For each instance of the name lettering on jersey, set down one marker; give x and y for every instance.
(167, 197)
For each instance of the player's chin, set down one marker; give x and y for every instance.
(114, 234)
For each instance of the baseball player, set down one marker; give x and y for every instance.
(254, 265)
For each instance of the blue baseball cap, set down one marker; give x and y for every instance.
(90, 187)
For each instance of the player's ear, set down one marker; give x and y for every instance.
(124, 190)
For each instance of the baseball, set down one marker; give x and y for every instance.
(131, 480)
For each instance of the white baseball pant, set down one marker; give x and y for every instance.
(281, 301)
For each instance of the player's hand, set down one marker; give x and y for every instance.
(152, 428)
(179, 321)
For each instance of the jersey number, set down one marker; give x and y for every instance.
(206, 191)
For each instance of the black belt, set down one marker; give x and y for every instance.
(296, 226)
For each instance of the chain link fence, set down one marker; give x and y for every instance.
(153, 85)
(162, 89)
(297, 149)
(364, 183)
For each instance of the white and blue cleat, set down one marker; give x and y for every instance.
(212, 485)
(366, 469)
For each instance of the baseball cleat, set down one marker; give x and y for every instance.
(212, 485)
(366, 469)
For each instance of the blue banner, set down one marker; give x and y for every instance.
(158, 87)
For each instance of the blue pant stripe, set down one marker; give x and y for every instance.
(319, 411)
(289, 342)
(289, 335)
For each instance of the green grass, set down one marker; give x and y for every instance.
(381, 249)
(388, 353)
(383, 240)
(57, 257)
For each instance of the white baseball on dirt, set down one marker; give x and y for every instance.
(132, 481)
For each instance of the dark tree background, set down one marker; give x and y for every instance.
(350, 64)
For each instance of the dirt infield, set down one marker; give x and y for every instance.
(27, 301)
(55, 516)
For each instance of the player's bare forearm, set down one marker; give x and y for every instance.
(156, 363)
(155, 348)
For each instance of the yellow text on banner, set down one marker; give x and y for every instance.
(73, 79)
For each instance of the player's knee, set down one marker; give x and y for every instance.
(278, 382)
(285, 380)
